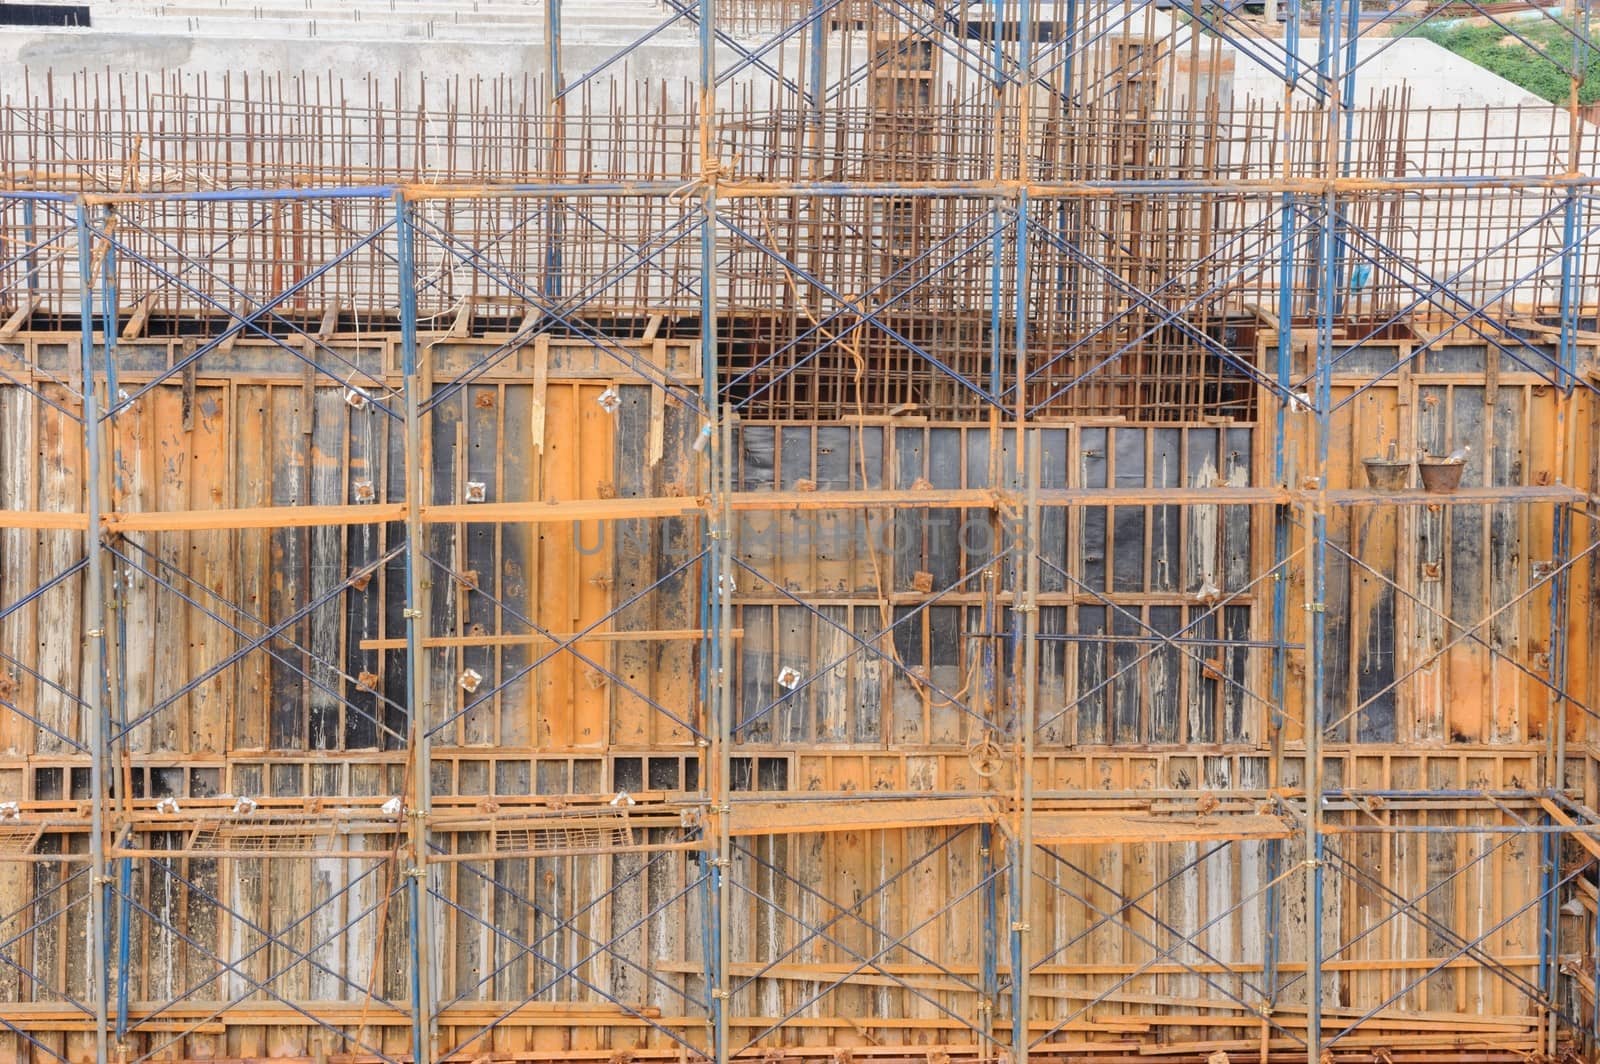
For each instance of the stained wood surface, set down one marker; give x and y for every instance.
(861, 800)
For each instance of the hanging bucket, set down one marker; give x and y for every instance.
(1441, 475)
(1387, 474)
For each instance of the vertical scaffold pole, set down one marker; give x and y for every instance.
(719, 584)
(1026, 663)
(30, 235)
(1561, 531)
(114, 642)
(1282, 514)
(419, 799)
(95, 629)
(555, 87)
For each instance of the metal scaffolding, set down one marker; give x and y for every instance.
(994, 919)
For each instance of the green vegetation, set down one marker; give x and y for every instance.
(1492, 48)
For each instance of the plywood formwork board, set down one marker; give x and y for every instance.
(845, 846)
(1100, 828)
(776, 817)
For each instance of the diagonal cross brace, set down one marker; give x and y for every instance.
(866, 644)
(1412, 909)
(1166, 316)
(561, 923)
(1257, 231)
(248, 322)
(1164, 953)
(269, 939)
(1109, 917)
(265, 986)
(837, 336)
(1431, 295)
(566, 646)
(1375, 926)
(1537, 899)
(872, 961)
(560, 312)
(27, 971)
(1467, 632)
(863, 313)
(487, 267)
(852, 911)
(276, 654)
(256, 643)
(1172, 640)
(531, 949)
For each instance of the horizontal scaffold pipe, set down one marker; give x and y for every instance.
(727, 188)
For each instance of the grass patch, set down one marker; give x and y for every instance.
(1492, 48)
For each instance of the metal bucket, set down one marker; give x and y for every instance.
(1440, 475)
(1387, 474)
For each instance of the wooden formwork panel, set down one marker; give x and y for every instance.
(922, 587)
(626, 925)
(1439, 611)
(291, 638)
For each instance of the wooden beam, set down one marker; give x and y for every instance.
(330, 321)
(654, 635)
(254, 517)
(1100, 828)
(18, 318)
(1585, 836)
(139, 318)
(45, 520)
(561, 511)
(462, 323)
(864, 814)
